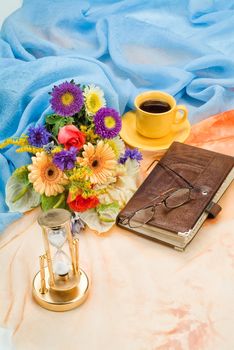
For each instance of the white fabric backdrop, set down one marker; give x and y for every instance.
(7, 7)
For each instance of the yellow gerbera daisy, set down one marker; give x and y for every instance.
(100, 159)
(94, 99)
(45, 176)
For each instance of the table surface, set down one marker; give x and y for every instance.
(143, 295)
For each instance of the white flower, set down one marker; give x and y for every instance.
(132, 167)
(94, 99)
(117, 145)
(91, 218)
(120, 191)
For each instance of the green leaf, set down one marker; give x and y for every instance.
(55, 129)
(21, 174)
(108, 212)
(52, 119)
(20, 195)
(53, 202)
(55, 122)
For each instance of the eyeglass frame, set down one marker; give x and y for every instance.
(163, 201)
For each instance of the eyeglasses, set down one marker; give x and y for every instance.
(172, 198)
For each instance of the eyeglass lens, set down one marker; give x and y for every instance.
(141, 217)
(174, 200)
(178, 198)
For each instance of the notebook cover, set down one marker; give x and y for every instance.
(200, 167)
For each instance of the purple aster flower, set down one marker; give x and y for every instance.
(65, 160)
(131, 154)
(38, 136)
(107, 122)
(67, 99)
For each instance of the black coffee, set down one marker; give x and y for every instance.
(155, 106)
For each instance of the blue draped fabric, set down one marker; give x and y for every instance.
(183, 47)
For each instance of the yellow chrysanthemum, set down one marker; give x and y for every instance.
(100, 159)
(94, 99)
(45, 176)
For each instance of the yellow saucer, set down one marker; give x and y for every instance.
(134, 139)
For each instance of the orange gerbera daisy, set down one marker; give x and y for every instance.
(45, 176)
(100, 159)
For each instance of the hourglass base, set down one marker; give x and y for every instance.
(60, 302)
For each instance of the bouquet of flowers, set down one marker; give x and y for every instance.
(79, 162)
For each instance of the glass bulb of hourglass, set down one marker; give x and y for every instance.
(57, 237)
(61, 264)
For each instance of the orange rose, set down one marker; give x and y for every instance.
(71, 136)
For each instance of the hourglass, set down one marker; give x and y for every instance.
(60, 284)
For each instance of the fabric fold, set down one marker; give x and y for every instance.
(185, 48)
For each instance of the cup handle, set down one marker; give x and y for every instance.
(184, 114)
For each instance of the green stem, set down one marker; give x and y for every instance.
(53, 137)
(60, 201)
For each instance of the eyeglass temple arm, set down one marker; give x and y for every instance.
(126, 219)
(163, 194)
(166, 167)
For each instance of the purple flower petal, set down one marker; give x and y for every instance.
(67, 99)
(38, 136)
(66, 159)
(131, 154)
(101, 126)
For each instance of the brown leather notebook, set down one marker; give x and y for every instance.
(202, 176)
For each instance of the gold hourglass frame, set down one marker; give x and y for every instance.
(65, 291)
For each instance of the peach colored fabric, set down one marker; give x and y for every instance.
(144, 296)
(215, 133)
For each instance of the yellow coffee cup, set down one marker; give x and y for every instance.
(157, 114)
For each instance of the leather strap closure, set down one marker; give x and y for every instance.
(213, 209)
